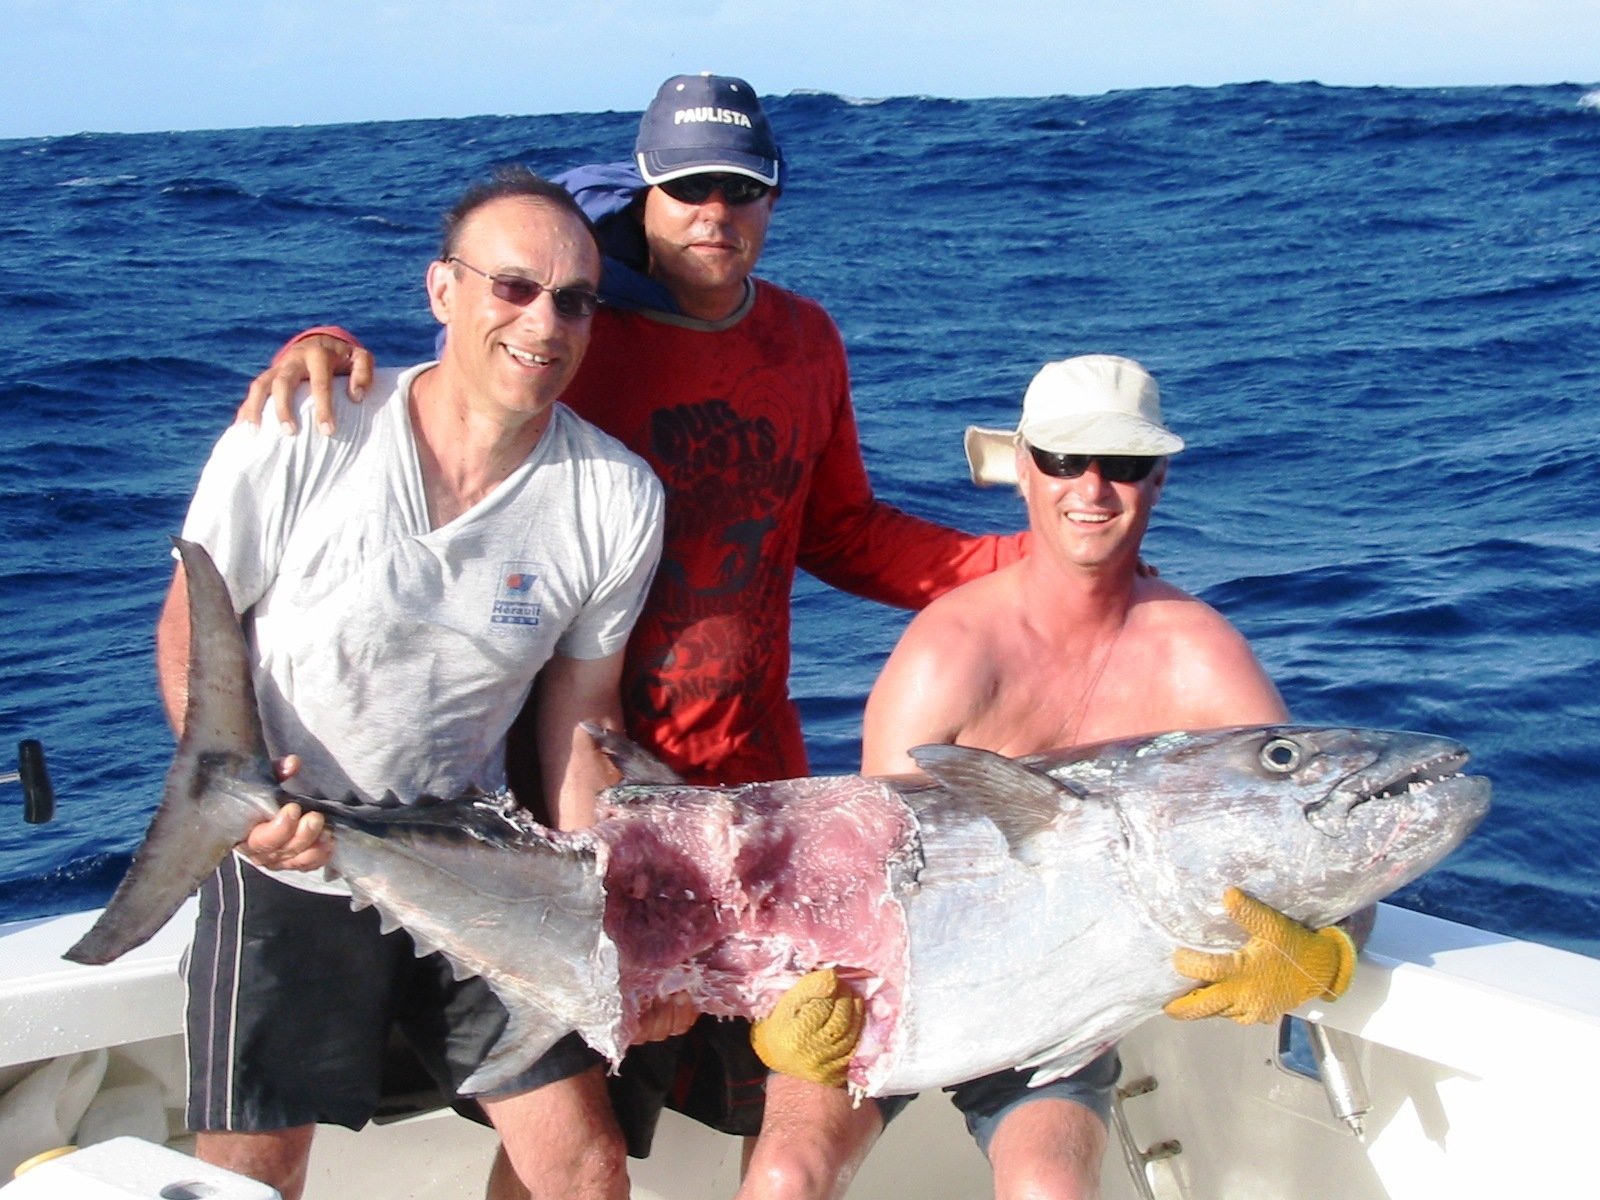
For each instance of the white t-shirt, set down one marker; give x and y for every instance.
(394, 657)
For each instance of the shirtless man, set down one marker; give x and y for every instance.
(1074, 645)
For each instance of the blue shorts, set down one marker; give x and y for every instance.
(985, 1102)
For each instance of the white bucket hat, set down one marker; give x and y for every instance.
(1092, 404)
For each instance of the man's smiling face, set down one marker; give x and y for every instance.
(1088, 521)
(515, 360)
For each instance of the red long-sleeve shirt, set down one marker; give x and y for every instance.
(751, 429)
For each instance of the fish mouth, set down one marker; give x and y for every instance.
(1391, 777)
(1424, 775)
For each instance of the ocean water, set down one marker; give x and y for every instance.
(1372, 311)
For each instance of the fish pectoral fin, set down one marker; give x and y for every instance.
(1019, 800)
(636, 763)
(529, 1032)
(1054, 1064)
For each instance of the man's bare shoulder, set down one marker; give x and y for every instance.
(940, 674)
(1193, 637)
(954, 643)
(1160, 605)
(1207, 671)
(970, 613)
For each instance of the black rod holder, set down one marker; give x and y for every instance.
(39, 798)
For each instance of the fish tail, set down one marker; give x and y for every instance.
(220, 783)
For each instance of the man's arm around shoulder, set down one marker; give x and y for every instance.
(314, 356)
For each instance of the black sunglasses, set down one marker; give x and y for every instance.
(573, 303)
(697, 189)
(1114, 468)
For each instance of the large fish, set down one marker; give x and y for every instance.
(995, 912)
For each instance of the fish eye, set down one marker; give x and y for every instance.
(1280, 755)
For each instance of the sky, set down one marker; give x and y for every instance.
(68, 66)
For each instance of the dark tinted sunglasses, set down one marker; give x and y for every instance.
(1114, 468)
(573, 303)
(697, 189)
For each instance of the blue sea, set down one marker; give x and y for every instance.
(1372, 312)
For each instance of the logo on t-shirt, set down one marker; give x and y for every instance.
(515, 601)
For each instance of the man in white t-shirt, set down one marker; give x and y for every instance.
(462, 541)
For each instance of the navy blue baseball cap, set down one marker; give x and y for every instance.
(700, 123)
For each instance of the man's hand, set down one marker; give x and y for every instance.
(316, 359)
(666, 1018)
(294, 840)
(813, 1031)
(1283, 965)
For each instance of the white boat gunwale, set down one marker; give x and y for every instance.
(1462, 1032)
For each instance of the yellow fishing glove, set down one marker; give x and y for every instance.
(813, 1031)
(1283, 965)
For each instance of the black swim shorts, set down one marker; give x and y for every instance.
(291, 1000)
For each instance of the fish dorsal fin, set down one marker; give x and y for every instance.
(636, 763)
(1019, 800)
